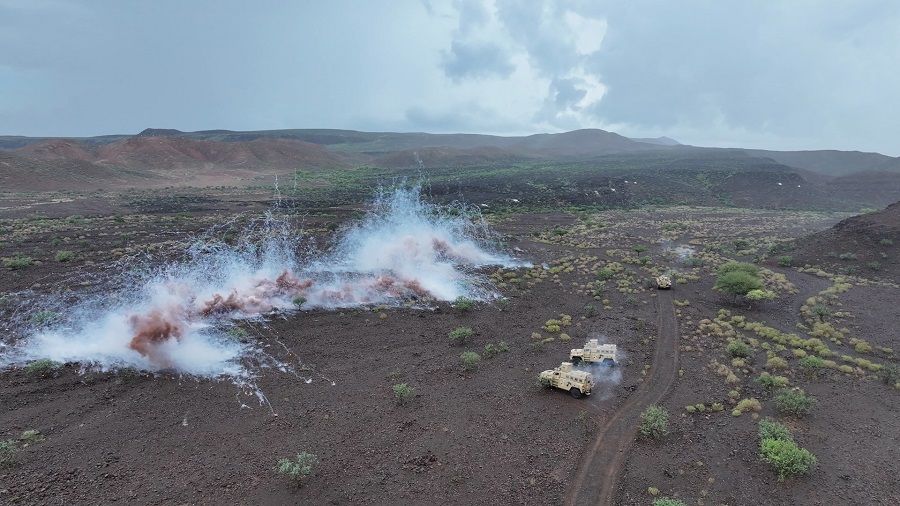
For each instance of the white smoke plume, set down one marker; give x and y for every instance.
(170, 318)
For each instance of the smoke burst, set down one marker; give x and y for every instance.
(170, 317)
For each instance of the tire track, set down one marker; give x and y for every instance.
(597, 478)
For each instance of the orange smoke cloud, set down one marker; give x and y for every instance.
(153, 328)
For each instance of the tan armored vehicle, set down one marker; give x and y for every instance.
(663, 282)
(565, 377)
(595, 353)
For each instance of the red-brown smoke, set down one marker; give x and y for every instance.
(258, 300)
(154, 328)
(220, 305)
(164, 323)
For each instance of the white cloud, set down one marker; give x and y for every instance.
(588, 32)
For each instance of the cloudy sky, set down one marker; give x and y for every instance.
(790, 74)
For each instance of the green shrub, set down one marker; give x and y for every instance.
(32, 436)
(654, 423)
(299, 301)
(770, 429)
(847, 256)
(785, 260)
(737, 282)
(794, 402)
(470, 360)
(18, 262)
(786, 457)
(8, 450)
(738, 349)
(460, 335)
(889, 374)
(604, 273)
(666, 501)
(886, 242)
(42, 367)
(746, 405)
(771, 383)
(821, 311)
(64, 256)
(402, 392)
(811, 364)
(43, 317)
(874, 265)
(490, 350)
(776, 363)
(297, 469)
(463, 303)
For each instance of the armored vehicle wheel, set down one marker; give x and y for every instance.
(545, 383)
(608, 362)
(576, 393)
(576, 361)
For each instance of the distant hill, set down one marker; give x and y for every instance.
(580, 143)
(831, 162)
(154, 161)
(19, 172)
(160, 156)
(867, 245)
(662, 141)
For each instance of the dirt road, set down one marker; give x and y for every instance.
(597, 478)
